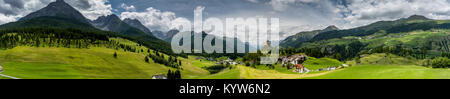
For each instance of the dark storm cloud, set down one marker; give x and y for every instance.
(15, 3)
(13, 8)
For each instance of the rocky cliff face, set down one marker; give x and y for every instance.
(137, 24)
(108, 23)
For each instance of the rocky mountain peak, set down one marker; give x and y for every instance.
(59, 8)
(137, 24)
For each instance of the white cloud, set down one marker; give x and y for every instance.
(128, 8)
(5, 19)
(11, 10)
(368, 11)
(153, 19)
(318, 14)
(92, 9)
(282, 5)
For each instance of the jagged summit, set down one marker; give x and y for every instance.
(59, 8)
(108, 23)
(137, 24)
(111, 17)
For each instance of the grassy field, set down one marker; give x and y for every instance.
(93, 63)
(55, 63)
(226, 74)
(383, 58)
(387, 72)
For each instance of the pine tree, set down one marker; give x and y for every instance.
(146, 59)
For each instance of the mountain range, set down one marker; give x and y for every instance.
(301, 37)
(414, 22)
(59, 14)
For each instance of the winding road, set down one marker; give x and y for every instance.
(3, 75)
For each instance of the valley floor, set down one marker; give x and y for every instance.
(99, 63)
(387, 72)
(355, 72)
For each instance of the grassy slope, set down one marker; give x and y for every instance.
(30, 62)
(72, 63)
(356, 72)
(387, 72)
(192, 68)
(383, 58)
(411, 39)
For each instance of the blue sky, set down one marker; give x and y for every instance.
(294, 15)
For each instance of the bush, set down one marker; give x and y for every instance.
(441, 62)
(215, 69)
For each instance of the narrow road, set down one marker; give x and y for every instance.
(6, 75)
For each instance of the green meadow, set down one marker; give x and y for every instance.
(387, 72)
(98, 63)
(89, 63)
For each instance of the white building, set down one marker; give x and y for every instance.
(160, 76)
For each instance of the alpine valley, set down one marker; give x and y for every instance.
(59, 42)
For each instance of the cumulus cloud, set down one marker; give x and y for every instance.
(367, 11)
(92, 9)
(282, 5)
(153, 19)
(11, 10)
(5, 19)
(128, 8)
(306, 15)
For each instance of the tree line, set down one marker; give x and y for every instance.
(173, 74)
(171, 61)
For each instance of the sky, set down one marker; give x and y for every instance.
(295, 15)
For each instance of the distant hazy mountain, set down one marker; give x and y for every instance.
(58, 9)
(166, 36)
(115, 24)
(295, 40)
(159, 34)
